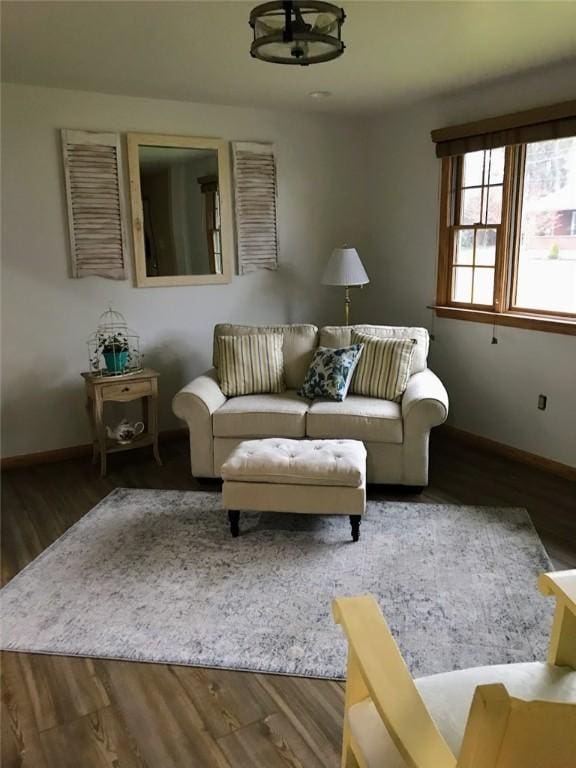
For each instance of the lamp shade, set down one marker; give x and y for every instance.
(345, 268)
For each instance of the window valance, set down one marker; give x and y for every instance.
(544, 123)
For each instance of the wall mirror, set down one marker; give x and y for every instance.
(180, 193)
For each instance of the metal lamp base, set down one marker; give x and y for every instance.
(347, 303)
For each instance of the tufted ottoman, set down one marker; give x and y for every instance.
(318, 477)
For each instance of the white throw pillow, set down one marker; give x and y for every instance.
(384, 367)
(252, 364)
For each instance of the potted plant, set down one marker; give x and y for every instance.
(115, 351)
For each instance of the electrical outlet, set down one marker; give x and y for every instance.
(542, 401)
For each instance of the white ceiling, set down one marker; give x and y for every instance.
(396, 52)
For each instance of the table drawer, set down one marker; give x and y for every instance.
(127, 390)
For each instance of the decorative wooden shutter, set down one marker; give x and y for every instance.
(93, 174)
(255, 205)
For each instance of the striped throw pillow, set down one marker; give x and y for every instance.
(252, 364)
(384, 367)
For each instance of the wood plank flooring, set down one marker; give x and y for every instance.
(60, 712)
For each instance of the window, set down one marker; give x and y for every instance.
(508, 235)
(546, 258)
(211, 205)
(477, 216)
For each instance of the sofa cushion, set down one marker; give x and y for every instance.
(356, 418)
(298, 462)
(282, 415)
(341, 336)
(299, 343)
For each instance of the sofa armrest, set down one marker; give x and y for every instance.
(203, 392)
(196, 403)
(425, 402)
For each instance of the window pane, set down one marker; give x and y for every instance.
(471, 202)
(473, 169)
(483, 167)
(494, 203)
(547, 253)
(464, 246)
(483, 286)
(462, 284)
(486, 247)
(494, 172)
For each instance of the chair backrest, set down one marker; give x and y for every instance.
(377, 670)
(501, 731)
(505, 732)
(562, 585)
(298, 346)
(341, 336)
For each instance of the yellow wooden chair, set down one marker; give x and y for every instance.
(502, 716)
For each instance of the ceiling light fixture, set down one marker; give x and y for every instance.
(299, 32)
(320, 94)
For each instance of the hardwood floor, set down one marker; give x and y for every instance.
(60, 712)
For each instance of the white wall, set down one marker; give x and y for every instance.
(47, 317)
(493, 388)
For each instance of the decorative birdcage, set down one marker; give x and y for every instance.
(114, 349)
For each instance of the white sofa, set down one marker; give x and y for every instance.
(395, 434)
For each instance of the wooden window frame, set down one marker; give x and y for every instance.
(210, 192)
(503, 311)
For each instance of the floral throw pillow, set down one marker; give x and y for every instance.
(330, 373)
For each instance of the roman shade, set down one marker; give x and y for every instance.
(542, 124)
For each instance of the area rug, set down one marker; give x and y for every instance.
(155, 576)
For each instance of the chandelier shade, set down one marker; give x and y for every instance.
(300, 32)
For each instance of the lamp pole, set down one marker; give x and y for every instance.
(347, 303)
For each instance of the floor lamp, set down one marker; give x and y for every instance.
(345, 268)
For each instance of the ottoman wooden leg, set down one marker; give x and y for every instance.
(355, 525)
(234, 518)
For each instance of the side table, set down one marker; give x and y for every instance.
(122, 389)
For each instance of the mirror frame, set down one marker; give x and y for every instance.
(134, 141)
